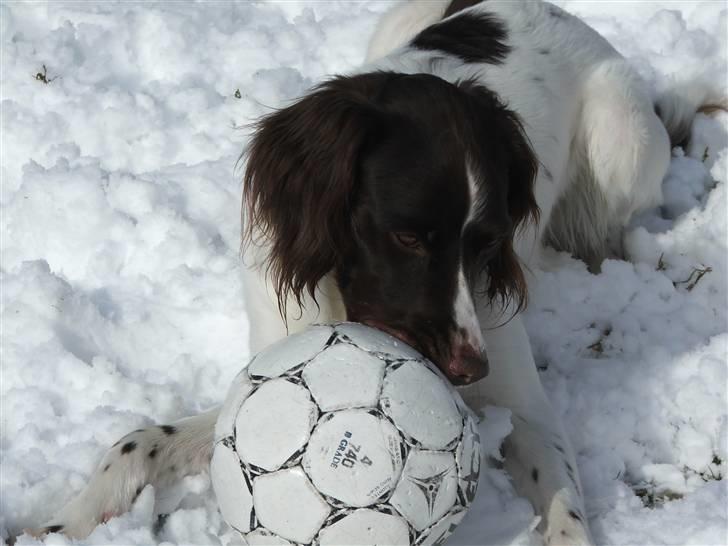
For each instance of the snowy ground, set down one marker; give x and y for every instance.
(121, 292)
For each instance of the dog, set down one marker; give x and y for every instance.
(414, 195)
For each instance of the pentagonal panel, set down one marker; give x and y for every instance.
(274, 423)
(366, 526)
(421, 404)
(287, 504)
(232, 490)
(467, 457)
(354, 457)
(263, 537)
(290, 352)
(438, 533)
(344, 376)
(375, 340)
(428, 488)
(237, 393)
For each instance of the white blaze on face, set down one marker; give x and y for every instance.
(465, 318)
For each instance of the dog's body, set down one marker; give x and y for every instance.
(536, 108)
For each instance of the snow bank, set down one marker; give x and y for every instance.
(121, 294)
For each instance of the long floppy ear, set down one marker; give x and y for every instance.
(500, 136)
(300, 176)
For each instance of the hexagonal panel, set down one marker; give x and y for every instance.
(366, 526)
(467, 457)
(354, 457)
(263, 537)
(290, 352)
(428, 488)
(371, 339)
(421, 404)
(344, 376)
(438, 533)
(232, 490)
(274, 423)
(237, 393)
(287, 504)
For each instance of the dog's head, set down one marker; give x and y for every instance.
(410, 190)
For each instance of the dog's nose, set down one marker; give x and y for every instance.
(466, 366)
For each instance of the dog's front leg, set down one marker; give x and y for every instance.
(538, 454)
(158, 455)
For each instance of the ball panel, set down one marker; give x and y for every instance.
(421, 404)
(237, 394)
(467, 457)
(263, 537)
(354, 456)
(366, 526)
(234, 496)
(438, 533)
(290, 352)
(376, 341)
(287, 504)
(427, 489)
(344, 376)
(274, 423)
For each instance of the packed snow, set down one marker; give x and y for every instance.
(121, 290)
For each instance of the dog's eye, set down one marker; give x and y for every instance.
(409, 240)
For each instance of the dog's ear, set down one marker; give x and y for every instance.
(507, 280)
(506, 158)
(299, 180)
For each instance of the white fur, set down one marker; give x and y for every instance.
(603, 153)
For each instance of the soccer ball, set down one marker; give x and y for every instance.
(344, 435)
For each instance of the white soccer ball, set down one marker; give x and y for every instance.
(344, 435)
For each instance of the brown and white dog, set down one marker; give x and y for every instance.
(412, 195)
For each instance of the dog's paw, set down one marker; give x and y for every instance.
(567, 525)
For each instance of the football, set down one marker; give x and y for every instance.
(340, 435)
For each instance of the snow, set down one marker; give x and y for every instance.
(121, 286)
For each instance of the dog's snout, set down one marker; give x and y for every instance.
(466, 366)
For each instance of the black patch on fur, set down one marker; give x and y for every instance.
(153, 452)
(128, 447)
(544, 51)
(564, 533)
(54, 529)
(534, 474)
(168, 429)
(137, 493)
(459, 5)
(574, 515)
(557, 12)
(472, 37)
(107, 467)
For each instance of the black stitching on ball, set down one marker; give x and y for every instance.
(128, 448)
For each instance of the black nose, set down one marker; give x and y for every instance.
(466, 366)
